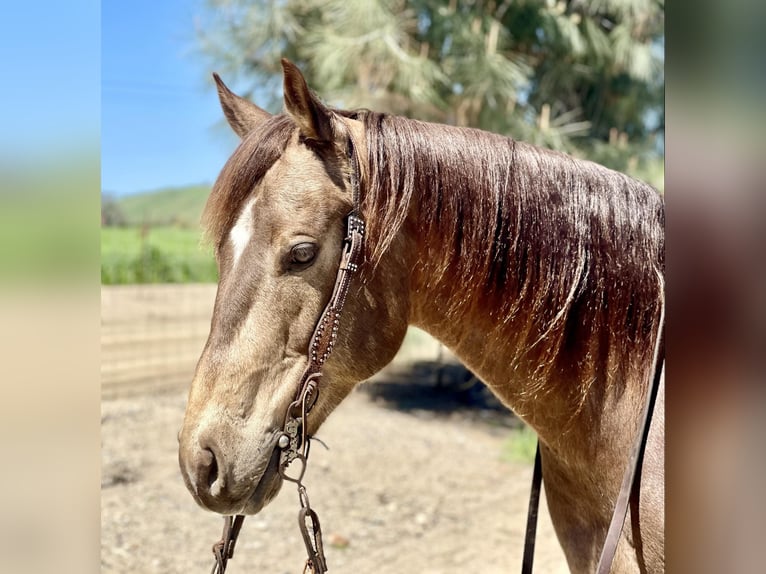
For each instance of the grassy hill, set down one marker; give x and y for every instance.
(155, 255)
(158, 239)
(181, 206)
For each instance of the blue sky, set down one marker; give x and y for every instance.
(49, 65)
(160, 119)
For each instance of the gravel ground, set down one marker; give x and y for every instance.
(411, 484)
(415, 481)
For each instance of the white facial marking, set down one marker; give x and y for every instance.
(242, 231)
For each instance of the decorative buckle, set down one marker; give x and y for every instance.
(355, 224)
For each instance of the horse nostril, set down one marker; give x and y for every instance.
(206, 469)
(212, 470)
(206, 472)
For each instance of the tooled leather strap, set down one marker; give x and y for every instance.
(322, 343)
(326, 332)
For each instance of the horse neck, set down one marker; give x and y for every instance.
(524, 313)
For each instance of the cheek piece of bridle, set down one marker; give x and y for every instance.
(294, 440)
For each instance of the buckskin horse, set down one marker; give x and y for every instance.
(543, 273)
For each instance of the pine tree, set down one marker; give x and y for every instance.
(582, 77)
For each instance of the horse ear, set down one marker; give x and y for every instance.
(312, 117)
(243, 115)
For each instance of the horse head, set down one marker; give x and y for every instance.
(277, 216)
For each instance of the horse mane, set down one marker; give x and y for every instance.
(565, 254)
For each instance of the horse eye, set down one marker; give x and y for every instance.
(303, 253)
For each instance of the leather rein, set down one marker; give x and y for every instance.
(629, 484)
(294, 441)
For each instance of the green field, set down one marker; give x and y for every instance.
(155, 255)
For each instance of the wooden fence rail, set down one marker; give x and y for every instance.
(152, 336)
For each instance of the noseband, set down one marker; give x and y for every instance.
(294, 440)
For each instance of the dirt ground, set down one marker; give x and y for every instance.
(414, 481)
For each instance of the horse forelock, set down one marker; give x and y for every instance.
(248, 164)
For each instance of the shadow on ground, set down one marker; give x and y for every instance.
(441, 389)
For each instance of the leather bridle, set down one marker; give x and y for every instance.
(295, 441)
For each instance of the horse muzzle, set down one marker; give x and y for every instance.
(227, 484)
